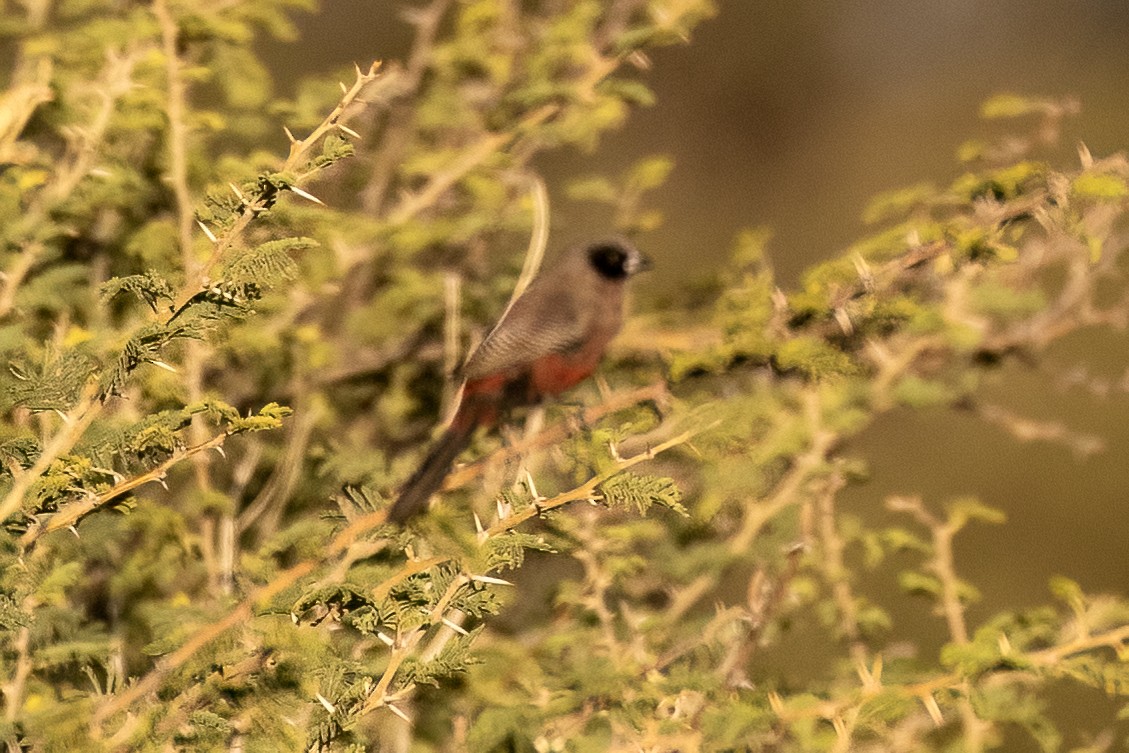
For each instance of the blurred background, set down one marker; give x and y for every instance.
(791, 115)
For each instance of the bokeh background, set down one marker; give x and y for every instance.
(791, 115)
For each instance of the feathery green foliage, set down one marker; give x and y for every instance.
(227, 345)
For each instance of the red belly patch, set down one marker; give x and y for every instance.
(556, 372)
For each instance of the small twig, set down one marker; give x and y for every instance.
(1031, 430)
(213, 545)
(116, 80)
(943, 566)
(397, 134)
(942, 562)
(76, 421)
(656, 392)
(452, 327)
(765, 597)
(538, 240)
(298, 155)
(835, 569)
(14, 688)
(461, 165)
(788, 491)
(72, 513)
(596, 584)
(587, 490)
(335, 548)
(177, 133)
(268, 504)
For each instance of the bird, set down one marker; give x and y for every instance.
(549, 339)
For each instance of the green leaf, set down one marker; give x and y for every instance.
(1011, 106)
(1096, 186)
(814, 357)
(642, 492)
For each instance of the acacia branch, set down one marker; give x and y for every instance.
(72, 513)
(587, 490)
(657, 393)
(464, 162)
(177, 132)
(788, 491)
(298, 155)
(75, 424)
(83, 150)
(335, 548)
(1047, 658)
(397, 134)
(835, 569)
(195, 350)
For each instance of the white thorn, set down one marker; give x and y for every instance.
(344, 89)
(325, 703)
(219, 449)
(1084, 156)
(73, 530)
(163, 365)
(290, 135)
(161, 480)
(776, 703)
(505, 509)
(478, 524)
(118, 478)
(934, 710)
(307, 195)
(398, 712)
(384, 638)
(490, 579)
(235, 190)
(454, 626)
(64, 416)
(531, 486)
(640, 60)
(348, 130)
(207, 232)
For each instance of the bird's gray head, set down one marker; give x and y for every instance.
(616, 259)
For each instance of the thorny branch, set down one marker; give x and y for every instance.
(84, 151)
(299, 154)
(337, 548)
(90, 404)
(873, 687)
(195, 351)
(77, 420)
(70, 514)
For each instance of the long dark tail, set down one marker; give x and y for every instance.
(429, 476)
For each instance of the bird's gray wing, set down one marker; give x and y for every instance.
(543, 320)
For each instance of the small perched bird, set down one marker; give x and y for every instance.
(551, 338)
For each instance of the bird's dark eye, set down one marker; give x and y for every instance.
(609, 259)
